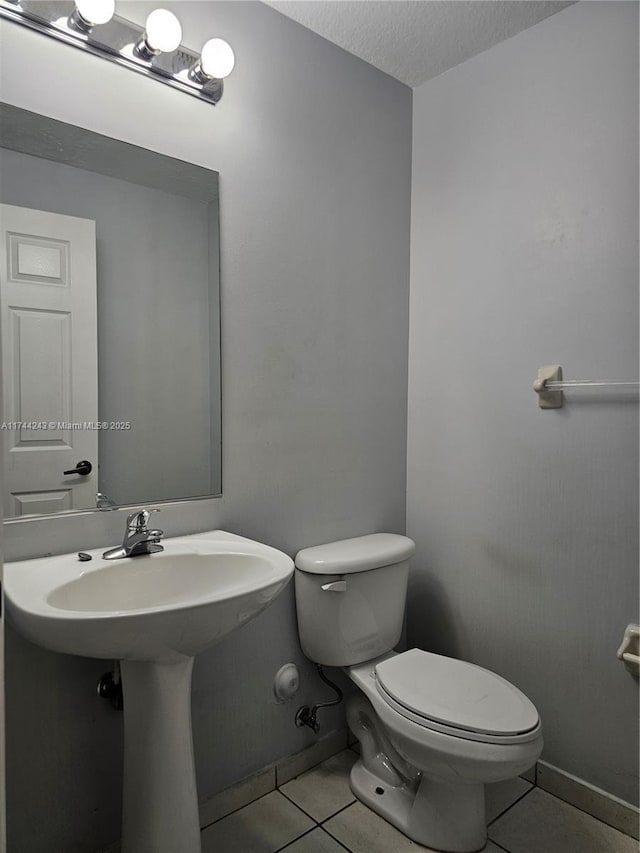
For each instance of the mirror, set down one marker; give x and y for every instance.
(109, 286)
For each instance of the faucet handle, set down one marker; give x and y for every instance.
(139, 520)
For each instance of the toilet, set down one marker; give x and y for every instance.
(433, 730)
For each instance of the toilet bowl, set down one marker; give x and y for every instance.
(435, 794)
(433, 730)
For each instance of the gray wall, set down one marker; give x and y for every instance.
(524, 253)
(154, 320)
(313, 148)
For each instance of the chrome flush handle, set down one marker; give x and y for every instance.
(335, 586)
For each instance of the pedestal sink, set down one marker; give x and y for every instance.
(153, 613)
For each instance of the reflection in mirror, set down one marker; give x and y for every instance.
(109, 288)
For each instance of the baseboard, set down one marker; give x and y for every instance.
(599, 804)
(315, 754)
(529, 775)
(263, 781)
(236, 796)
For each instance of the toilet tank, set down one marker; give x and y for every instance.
(350, 597)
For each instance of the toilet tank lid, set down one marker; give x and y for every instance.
(356, 555)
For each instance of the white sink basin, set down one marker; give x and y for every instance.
(153, 607)
(153, 613)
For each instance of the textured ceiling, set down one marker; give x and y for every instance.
(414, 40)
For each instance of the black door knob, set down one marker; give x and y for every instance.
(83, 468)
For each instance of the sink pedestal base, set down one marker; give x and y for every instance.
(160, 800)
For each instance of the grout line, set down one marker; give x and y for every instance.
(308, 832)
(297, 838)
(315, 819)
(344, 808)
(293, 802)
(239, 809)
(336, 839)
(515, 802)
(499, 846)
(228, 814)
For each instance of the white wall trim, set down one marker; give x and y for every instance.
(594, 801)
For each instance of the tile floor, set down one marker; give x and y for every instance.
(317, 813)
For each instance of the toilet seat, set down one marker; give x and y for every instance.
(456, 698)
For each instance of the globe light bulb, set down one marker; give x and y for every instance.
(217, 59)
(96, 11)
(163, 32)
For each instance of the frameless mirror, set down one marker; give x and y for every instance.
(109, 290)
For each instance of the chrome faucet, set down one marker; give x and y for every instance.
(138, 539)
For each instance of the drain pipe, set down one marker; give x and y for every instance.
(307, 716)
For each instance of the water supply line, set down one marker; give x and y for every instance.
(307, 716)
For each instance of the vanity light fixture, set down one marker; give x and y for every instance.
(90, 13)
(153, 50)
(216, 62)
(162, 34)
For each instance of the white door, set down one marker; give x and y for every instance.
(49, 360)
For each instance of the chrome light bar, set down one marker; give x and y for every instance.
(153, 50)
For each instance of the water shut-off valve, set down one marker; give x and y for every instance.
(307, 716)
